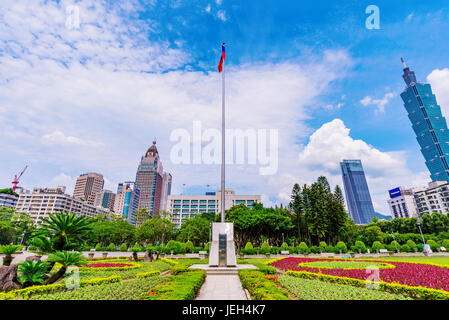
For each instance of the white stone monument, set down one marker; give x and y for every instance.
(222, 249)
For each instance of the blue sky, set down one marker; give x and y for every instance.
(93, 98)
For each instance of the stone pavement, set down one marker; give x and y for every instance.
(222, 287)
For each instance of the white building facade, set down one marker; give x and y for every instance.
(8, 200)
(402, 203)
(435, 198)
(41, 202)
(184, 207)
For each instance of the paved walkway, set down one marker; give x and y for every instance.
(222, 287)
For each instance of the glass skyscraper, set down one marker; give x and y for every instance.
(429, 125)
(357, 194)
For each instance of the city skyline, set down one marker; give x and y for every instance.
(86, 104)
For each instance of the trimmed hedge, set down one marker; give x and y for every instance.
(169, 261)
(420, 293)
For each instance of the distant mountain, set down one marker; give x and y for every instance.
(380, 216)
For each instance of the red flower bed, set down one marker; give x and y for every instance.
(411, 274)
(108, 265)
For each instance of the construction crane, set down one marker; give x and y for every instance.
(16, 179)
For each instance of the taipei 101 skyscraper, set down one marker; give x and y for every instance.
(428, 123)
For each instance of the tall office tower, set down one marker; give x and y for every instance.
(149, 180)
(429, 125)
(166, 190)
(357, 193)
(87, 186)
(127, 201)
(105, 199)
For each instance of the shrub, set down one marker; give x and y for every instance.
(111, 247)
(315, 249)
(248, 245)
(359, 245)
(284, 246)
(98, 247)
(405, 248)
(292, 250)
(136, 248)
(32, 272)
(433, 245)
(446, 244)
(330, 249)
(274, 250)
(323, 246)
(189, 247)
(411, 244)
(123, 247)
(265, 249)
(148, 274)
(341, 246)
(377, 245)
(175, 246)
(303, 248)
(198, 249)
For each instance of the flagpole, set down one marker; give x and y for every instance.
(223, 145)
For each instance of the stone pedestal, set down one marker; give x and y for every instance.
(221, 229)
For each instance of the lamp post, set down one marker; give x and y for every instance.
(420, 231)
(394, 239)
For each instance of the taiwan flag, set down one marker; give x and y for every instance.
(220, 65)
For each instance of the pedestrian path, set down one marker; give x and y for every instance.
(222, 287)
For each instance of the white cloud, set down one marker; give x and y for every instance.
(439, 79)
(208, 8)
(332, 143)
(218, 2)
(58, 138)
(221, 14)
(379, 103)
(62, 179)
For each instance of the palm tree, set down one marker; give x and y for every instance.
(65, 228)
(32, 272)
(66, 259)
(8, 251)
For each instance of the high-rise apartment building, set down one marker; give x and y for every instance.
(43, 201)
(429, 125)
(434, 198)
(127, 201)
(87, 186)
(150, 181)
(357, 193)
(105, 199)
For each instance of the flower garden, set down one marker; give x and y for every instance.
(346, 279)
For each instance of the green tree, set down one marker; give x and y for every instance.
(8, 251)
(373, 233)
(67, 229)
(65, 259)
(195, 229)
(142, 215)
(155, 229)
